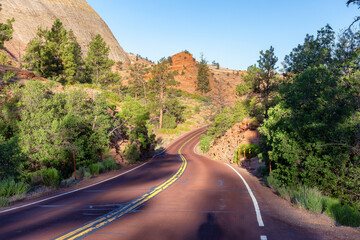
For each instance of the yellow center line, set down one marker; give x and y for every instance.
(98, 223)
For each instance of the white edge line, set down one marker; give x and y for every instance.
(66, 193)
(256, 205)
(195, 148)
(76, 190)
(262, 237)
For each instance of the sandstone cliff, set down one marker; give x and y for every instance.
(75, 14)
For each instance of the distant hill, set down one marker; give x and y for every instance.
(75, 14)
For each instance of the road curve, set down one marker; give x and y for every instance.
(173, 196)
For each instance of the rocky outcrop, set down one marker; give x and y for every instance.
(75, 14)
(224, 148)
(223, 78)
(187, 69)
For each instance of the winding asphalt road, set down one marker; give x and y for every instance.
(177, 195)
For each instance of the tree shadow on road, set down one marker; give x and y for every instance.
(210, 230)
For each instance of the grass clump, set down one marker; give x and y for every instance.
(4, 202)
(9, 188)
(109, 164)
(312, 199)
(183, 128)
(51, 177)
(94, 169)
(47, 177)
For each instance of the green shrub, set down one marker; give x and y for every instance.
(251, 150)
(51, 177)
(101, 167)
(169, 121)
(343, 214)
(109, 164)
(9, 188)
(131, 153)
(4, 202)
(254, 123)
(83, 172)
(94, 169)
(4, 59)
(204, 144)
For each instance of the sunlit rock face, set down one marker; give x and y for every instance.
(75, 14)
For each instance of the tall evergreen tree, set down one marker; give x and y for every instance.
(203, 83)
(6, 31)
(137, 79)
(97, 60)
(55, 54)
(267, 64)
(315, 51)
(72, 59)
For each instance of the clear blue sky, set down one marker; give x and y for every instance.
(231, 32)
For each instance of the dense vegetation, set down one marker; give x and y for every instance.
(50, 128)
(312, 134)
(310, 122)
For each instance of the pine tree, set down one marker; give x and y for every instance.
(267, 64)
(97, 60)
(203, 83)
(55, 54)
(72, 60)
(137, 79)
(6, 31)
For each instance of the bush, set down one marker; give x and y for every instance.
(51, 177)
(251, 150)
(131, 153)
(9, 188)
(204, 144)
(83, 172)
(94, 169)
(109, 164)
(101, 167)
(169, 121)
